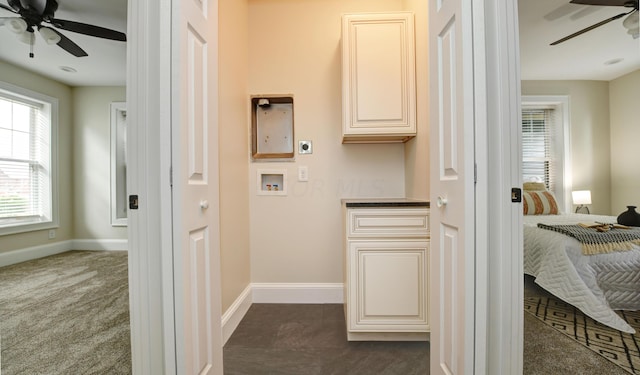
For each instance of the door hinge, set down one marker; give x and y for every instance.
(133, 202)
(475, 173)
(171, 176)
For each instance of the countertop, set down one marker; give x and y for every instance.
(384, 202)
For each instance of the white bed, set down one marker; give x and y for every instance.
(595, 284)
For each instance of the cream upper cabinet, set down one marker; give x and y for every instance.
(378, 78)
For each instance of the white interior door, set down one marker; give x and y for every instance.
(452, 187)
(195, 188)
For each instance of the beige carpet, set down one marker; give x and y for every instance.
(66, 314)
(618, 347)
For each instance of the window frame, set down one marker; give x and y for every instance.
(562, 138)
(21, 226)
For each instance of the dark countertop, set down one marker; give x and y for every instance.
(384, 202)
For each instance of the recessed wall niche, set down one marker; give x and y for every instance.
(271, 127)
(272, 181)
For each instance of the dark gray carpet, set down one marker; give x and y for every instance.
(310, 339)
(66, 314)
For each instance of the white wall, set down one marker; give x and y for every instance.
(294, 48)
(590, 148)
(92, 162)
(624, 96)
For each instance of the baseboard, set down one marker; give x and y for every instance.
(298, 292)
(34, 252)
(41, 251)
(234, 314)
(111, 245)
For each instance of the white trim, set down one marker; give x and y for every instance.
(34, 252)
(499, 288)
(481, 355)
(153, 344)
(234, 314)
(298, 292)
(118, 139)
(50, 107)
(562, 139)
(41, 251)
(97, 245)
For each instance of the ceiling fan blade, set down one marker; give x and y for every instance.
(589, 28)
(8, 8)
(87, 29)
(69, 46)
(617, 3)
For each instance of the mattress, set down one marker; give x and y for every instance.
(595, 284)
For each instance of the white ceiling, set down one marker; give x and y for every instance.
(541, 22)
(581, 58)
(106, 63)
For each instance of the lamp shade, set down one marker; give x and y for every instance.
(581, 196)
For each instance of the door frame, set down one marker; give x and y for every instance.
(499, 268)
(151, 289)
(499, 331)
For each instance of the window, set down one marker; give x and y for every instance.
(539, 156)
(27, 160)
(545, 148)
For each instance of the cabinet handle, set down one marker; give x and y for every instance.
(204, 204)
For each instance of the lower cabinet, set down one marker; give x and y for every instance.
(386, 293)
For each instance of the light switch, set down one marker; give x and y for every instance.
(303, 173)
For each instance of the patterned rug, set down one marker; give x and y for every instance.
(621, 348)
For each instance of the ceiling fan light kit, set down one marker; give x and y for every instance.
(33, 13)
(630, 22)
(49, 35)
(17, 25)
(27, 37)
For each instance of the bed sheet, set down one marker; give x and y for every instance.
(595, 284)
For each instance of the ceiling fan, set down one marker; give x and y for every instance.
(33, 13)
(631, 22)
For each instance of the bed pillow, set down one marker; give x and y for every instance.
(539, 203)
(537, 186)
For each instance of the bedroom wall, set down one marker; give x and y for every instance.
(416, 154)
(92, 162)
(233, 149)
(35, 82)
(625, 138)
(294, 48)
(590, 147)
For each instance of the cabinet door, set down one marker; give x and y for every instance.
(389, 286)
(378, 76)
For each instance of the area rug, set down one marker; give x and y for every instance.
(620, 348)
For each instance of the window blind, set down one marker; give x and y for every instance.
(25, 161)
(539, 156)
